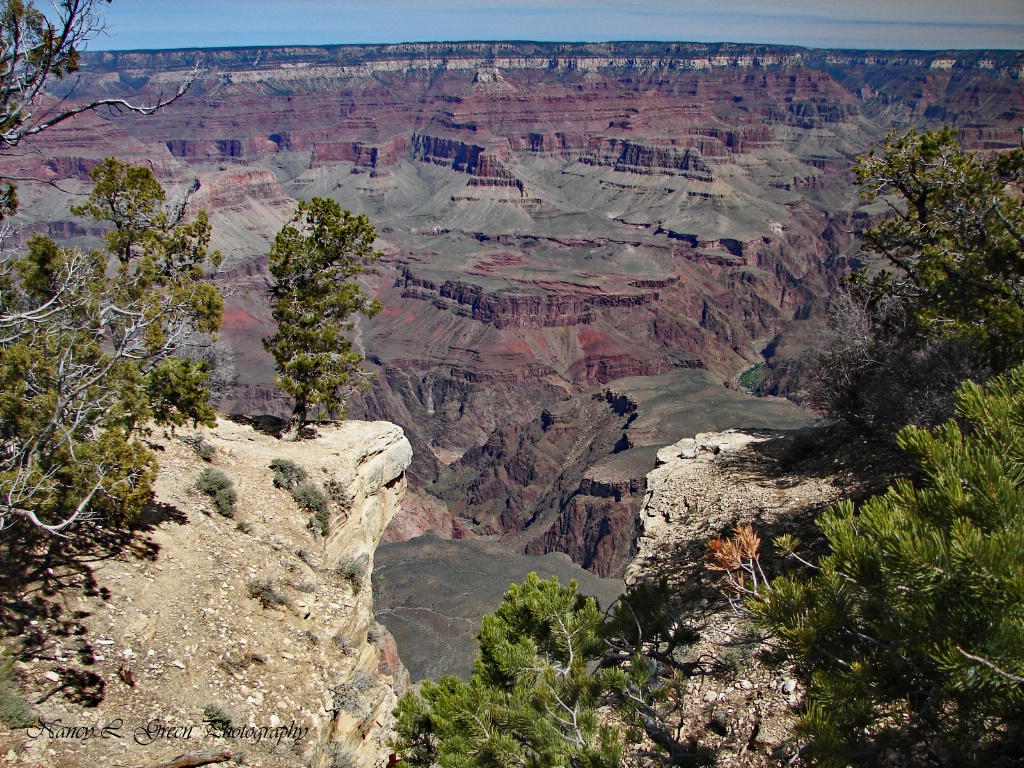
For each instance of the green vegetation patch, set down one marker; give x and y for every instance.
(14, 710)
(265, 592)
(219, 487)
(287, 474)
(753, 377)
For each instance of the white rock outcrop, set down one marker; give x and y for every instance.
(674, 487)
(697, 492)
(363, 465)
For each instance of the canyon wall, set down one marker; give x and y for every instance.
(552, 217)
(375, 457)
(573, 479)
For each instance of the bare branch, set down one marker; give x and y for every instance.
(35, 51)
(119, 105)
(986, 663)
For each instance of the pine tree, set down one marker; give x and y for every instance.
(314, 261)
(559, 683)
(909, 635)
(530, 700)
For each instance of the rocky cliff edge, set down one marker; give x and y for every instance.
(704, 486)
(251, 635)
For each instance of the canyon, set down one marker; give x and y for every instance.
(553, 219)
(583, 246)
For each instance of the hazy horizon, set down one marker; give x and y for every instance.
(865, 24)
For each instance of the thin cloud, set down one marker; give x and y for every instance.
(851, 23)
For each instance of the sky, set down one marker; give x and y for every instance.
(900, 24)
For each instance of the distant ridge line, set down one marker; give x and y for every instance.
(645, 54)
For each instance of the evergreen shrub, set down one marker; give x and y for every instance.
(909, 635)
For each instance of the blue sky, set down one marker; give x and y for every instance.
(926, 24)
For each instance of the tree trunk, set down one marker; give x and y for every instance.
(295, 423)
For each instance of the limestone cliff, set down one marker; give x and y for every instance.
(255, 616)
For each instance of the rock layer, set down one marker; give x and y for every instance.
(552, 216)
(573, 480)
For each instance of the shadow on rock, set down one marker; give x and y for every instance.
(41, 572)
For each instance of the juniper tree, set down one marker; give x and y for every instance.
(909, 634)
(314, 262)
(955, 239)
(71, 361)
(949, 304)
(87, 355)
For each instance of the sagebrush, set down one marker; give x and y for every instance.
(220, 488)
(14, 709)
(287, 474)
(265, 592)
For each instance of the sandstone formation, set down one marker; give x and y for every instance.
(255, 615)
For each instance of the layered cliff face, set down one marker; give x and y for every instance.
(573, 479)
(363, 702)
(553, 216)
(255, 616)
(521, 484)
